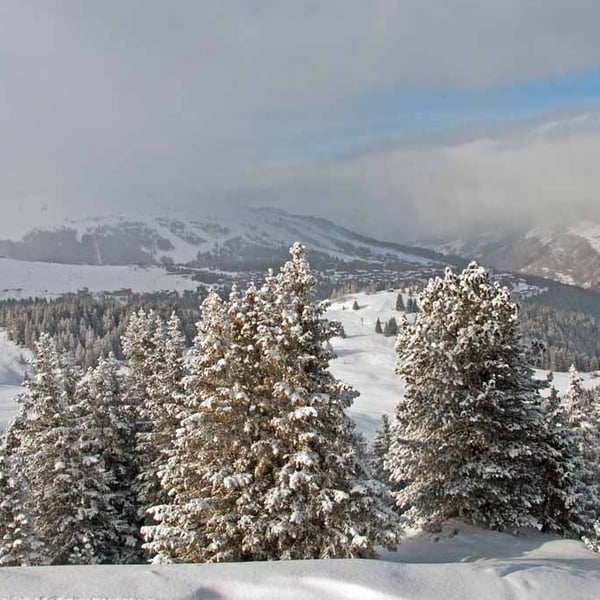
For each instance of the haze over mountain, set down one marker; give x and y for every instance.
(340, 110)
(569, 253)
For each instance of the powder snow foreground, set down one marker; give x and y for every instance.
(471, 565)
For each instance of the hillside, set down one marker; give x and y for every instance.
(568, 254)
(246, 238)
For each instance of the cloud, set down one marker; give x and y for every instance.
(540, 174)
(104, 105)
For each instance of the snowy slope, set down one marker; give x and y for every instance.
(472, 565)
(23, 279)
(180, 237)
(13, 362)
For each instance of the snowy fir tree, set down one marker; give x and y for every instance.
(324, 503)
(564, 492)
(380, 449)
(266, 465)
(143, 344)
(107, 435)
(68, 491)
(160, 409)
(400, 306)
(19, 544)
(467, 440)
(583, 418)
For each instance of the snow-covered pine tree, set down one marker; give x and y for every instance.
(107, 424)
(564, 493)
(201, 454)
(323, 502)
(380, 449)
(467, 433)
(143, 342)
(160, 410)
(67, 486)
(19, 544)
(583, 419)
(266, 465)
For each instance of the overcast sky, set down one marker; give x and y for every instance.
(400, 118)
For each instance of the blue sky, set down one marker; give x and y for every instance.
(399, 113)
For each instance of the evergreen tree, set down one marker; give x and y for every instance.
(266, 465)
(19, 544)
(143, 344)
(381, 447)
(378, 328)
(400, 302)
(68, 488)
(107, 423)
(391, 327)
(467, 434)
(563, 490)
(160, 409)
(583, 419)
(355, 305)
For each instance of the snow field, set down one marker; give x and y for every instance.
(22, 279)
(13, 362)
(471, 565)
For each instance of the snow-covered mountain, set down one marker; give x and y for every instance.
(568, 254)
(254, 237)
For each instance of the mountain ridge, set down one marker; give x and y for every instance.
(251, 233)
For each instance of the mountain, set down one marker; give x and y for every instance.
(248, 239)
(568, 254)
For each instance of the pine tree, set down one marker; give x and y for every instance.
(381, 446)
(266, 465)
(378, 328)
(143, 343)
(355, 305)
(563, 489)
(467, 434)
(391, 327)
(19, 543)
(400, 302)
(67, 485)
(324, 503)
(107, 422)
(160, 410)
(583, 419)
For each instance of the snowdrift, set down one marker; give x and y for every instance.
(472, 565)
